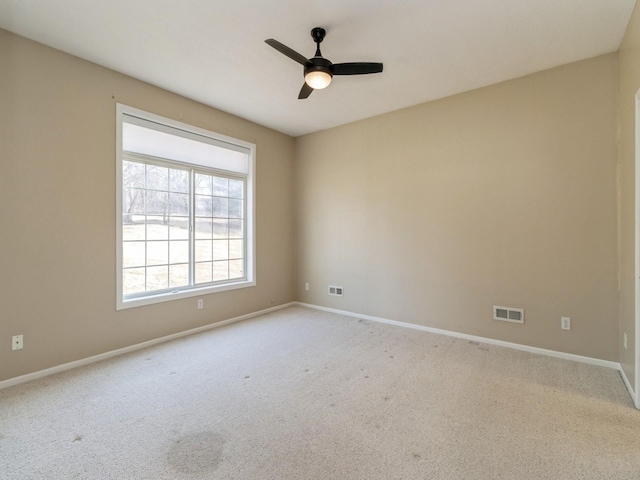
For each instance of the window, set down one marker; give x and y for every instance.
(184, 210)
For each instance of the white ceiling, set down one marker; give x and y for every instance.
(213, 51)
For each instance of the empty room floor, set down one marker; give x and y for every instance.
(306, 394)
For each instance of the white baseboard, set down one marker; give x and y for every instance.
(634, 396)
(490, 341)
(138, 346)
(516, 346)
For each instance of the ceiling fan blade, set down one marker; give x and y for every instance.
(356, 68)
(292, 54)
(305, 91)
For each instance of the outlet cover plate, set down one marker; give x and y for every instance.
(17, 342)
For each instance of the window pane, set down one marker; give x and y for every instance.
(133, 280)
(157, 278)
(203, 272)
(157, 178)
(236, 188)
(133, 254)
(220, 207)
(132, 174)
(156, 228)
(133, 231)
(236, 248)
(157, 253)
(179, 228)
(203, 184)
(235, 229)
(203, 228)
(220, 187)
(203, 206)
(235, 208)
(132, 202)
(178, 181)
(220, 271)
(220, 228)
(203, 250)
(179, 203)
(220, 250)
(179, 252)
(236, 269)
(178, 276)
(157, 203)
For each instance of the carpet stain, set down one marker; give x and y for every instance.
(78, 438)
(480, 346)
(196, 452)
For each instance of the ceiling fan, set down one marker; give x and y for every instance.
(318, 71)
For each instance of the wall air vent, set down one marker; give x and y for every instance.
(508, 314)
(337, 291)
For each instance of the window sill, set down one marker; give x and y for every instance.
(123, 304)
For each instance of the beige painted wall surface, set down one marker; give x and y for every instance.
(57, 211)
(501, 196)
(629, 57)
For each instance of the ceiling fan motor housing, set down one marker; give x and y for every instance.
(318, 64)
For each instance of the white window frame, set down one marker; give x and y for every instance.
(250, 221)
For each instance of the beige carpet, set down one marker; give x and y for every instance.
(303, 394)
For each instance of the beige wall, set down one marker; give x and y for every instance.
(629, 84)
(501, 196)
(430, 215)
(57, 211)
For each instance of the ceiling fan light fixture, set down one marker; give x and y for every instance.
(318, 79)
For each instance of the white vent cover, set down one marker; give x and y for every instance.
(337, 291)
(508, 314)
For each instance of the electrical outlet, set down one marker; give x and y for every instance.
(17, 342)
(200, 304)
(625, 341)
(565, 323)
(306, 286)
